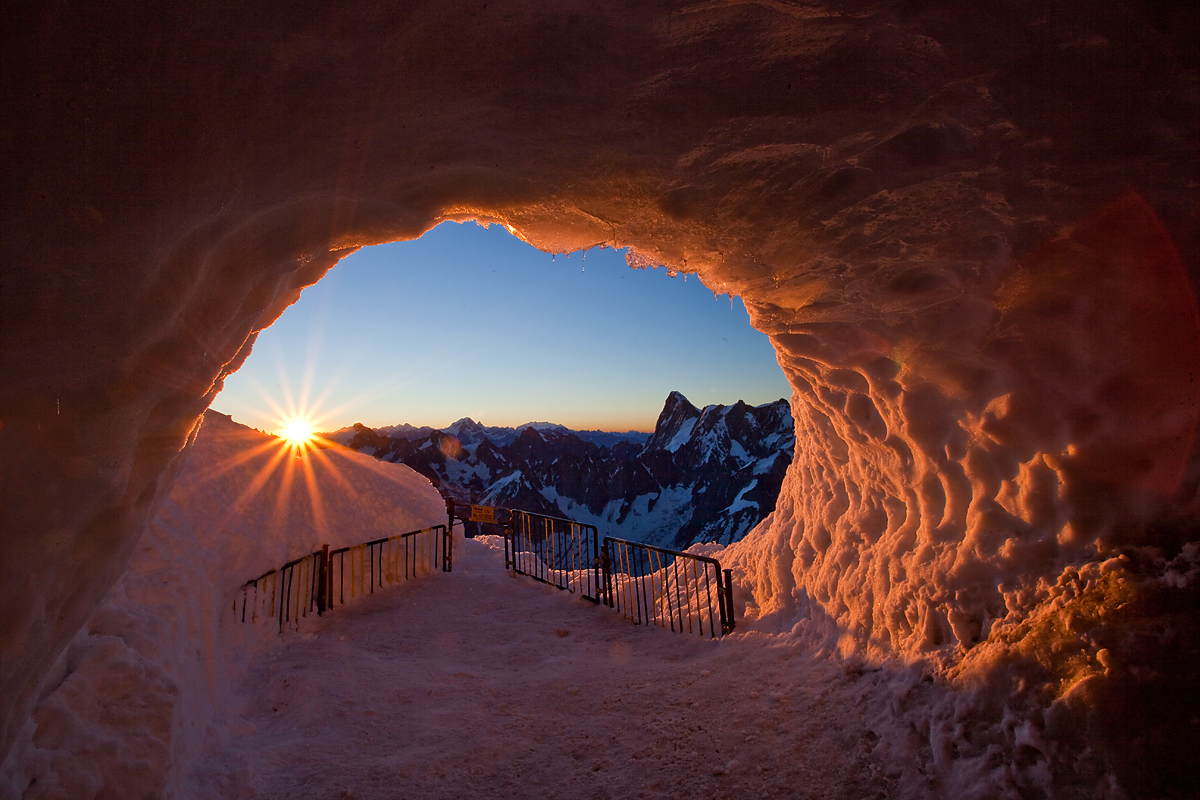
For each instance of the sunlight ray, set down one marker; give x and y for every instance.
(254, 487)
(418, 375)
(331, 385)
(282, 511)
(285, 385)
(312, 355)
(278, 410)
(325, 458)
(316, 501)
(236, 461)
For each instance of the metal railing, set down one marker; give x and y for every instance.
(384, 561)
(650, 585)
(560, 552)
(315, 583)
(654, 586)
(286, 593)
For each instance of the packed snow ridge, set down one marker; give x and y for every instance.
(703, 475)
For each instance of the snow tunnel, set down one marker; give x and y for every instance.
(972, 236)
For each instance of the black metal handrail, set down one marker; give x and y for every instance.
(655, 586)
(649, 585)
(388, 560)
(289, 596)
(306, 585)
(554, 550)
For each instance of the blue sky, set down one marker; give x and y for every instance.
(473, 322)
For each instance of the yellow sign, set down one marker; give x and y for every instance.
(483, 514)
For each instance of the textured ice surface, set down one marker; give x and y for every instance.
(941, 491)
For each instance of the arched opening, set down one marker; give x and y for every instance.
(471, 322)
(663, 415)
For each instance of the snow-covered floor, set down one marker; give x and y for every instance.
(478, 684)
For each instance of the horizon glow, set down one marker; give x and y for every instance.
(473, 322)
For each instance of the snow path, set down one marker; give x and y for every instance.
(476, 684)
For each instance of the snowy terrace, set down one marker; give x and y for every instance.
(475, 684)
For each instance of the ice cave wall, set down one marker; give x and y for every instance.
(971, 234)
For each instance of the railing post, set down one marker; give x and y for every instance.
(323, 580)
(606, 567)
(448, 550)
(597, 586)
(728, 624)
(450, 514)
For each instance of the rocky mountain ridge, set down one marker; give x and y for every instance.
(706, 474)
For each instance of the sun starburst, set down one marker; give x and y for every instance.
(297, 460)
(298, 431)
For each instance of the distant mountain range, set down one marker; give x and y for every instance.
(469, 432)
(703, 475)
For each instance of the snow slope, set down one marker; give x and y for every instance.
(150, 676)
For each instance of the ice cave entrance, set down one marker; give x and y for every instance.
(470, 321)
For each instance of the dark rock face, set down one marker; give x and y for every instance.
(718, 470)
